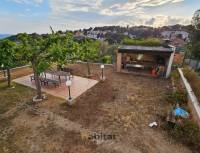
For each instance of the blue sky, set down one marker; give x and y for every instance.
(37, 15)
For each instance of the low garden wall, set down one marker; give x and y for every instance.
(19, 67)
(192, 99)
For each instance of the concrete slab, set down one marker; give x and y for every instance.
(79, 86)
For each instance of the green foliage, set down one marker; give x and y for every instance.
(89, 51)
(188, 133)
(195, 36)
(196, 20)
(107, 59)
(7, 57)
(142, 42)
(44, 50)
(64, 49)
(175, 75)
(115, 38)
(103, 47)
(112, 49)
(179, 96)
(107, 52)
(7, 54)
(34, 48)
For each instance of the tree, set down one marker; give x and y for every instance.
(114, 38)
(7, 57)
(64, 49)
(196, 20)
(42, 51)
(195, 36)
(103, 47)
(89, 52)
(34, 49)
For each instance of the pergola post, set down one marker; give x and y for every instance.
(119, 61)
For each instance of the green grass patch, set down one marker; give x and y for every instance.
(143, 42)
(10, 97)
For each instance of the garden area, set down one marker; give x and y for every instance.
(123, 105)
(183, 127)
(115, 113)
(194, 80)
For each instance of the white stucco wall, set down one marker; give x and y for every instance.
(171, 59)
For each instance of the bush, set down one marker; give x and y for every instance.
(188, 133)
(175, 75)
(106, 59)
(143, 42)
(179, 96)
(194, 80)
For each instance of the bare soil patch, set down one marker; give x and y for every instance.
(122, 105)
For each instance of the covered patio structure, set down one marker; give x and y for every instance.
(145, 60)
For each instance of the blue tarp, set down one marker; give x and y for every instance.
(180, 112)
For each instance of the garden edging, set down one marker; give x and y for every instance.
(192, 99)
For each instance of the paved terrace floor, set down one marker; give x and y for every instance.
(79, 86)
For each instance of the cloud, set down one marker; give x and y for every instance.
(155, 21)
(118, 8)
(133, 12)
(27, 1)
(151, 21)
(76, 14)
(64, 6)
(134, 7)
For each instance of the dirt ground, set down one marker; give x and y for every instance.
(122, 107)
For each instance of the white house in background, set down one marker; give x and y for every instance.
(114, 31)
(95, 34)
(174, 34)
(126, 33)
(92, 34)
(130, 35)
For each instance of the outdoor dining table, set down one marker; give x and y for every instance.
(58, 73)
(62, 73)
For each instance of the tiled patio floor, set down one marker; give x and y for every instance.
(79, 86)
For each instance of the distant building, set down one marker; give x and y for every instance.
(173, 34)
(126, 33)
(78, 33)
(95, 34)
(178, 43)
(132, 36)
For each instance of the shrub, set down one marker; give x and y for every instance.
(175, 75)
(179, 96)
(106, 59)
(188, 133)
